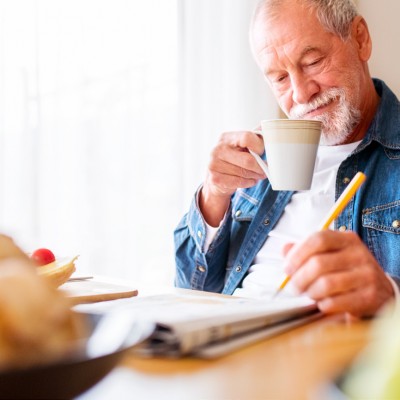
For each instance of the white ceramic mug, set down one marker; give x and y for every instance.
(291, 149)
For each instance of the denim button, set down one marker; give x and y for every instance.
(199, 234)
(266, 222)
(396, 223)
(238, 213)
(201, 268)
(346, 180)
(343, 228)
(238, 268)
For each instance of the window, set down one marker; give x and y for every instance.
(88, 132)
(108, 113)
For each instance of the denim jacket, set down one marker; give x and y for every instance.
(373, 213)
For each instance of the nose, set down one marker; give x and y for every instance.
(304, 88)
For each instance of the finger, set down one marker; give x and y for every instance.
(242, 141)
(347, 302)
(286, 248)
(318, 243)
(258, 132)
(355, 257)
(335, 283)
(236, 163)
(229, 183)
(356, 303)
(247, 139)
(361, 292)
(317, 267)
(243, 166)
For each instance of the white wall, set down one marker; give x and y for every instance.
(382, 17)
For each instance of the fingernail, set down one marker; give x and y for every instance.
(287, 269)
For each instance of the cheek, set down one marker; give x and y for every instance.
(284, 101)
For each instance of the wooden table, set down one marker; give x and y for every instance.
(292, 365)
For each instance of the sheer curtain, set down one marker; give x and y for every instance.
(88, 105)
(108, 112)
(222, 88)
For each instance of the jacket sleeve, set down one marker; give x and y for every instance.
(194, 268)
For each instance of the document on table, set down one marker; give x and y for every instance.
(208, 324)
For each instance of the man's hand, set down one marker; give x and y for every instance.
(338, 271)
(231, 167)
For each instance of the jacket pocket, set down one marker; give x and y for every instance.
(384, 218)
(382, 225)
(244, 207)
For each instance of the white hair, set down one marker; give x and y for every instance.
(335, 16)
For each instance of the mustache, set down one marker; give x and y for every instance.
(300, 110)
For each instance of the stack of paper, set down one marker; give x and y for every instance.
(209, 325)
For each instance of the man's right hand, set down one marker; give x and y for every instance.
(231, 167)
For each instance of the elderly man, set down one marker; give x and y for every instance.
(239, 232)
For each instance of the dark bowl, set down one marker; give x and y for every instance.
(70, 377)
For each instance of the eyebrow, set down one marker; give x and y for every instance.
(307, 50)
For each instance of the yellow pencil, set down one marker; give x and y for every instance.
(334, 212)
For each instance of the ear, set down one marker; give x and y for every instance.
(362, 38)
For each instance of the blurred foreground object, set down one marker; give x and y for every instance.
(47, 351)
(59, 271)
(56, 271)
(376, 373)
(37, 324)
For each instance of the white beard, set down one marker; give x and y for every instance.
(337, 125)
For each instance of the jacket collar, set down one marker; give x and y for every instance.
(385, 127)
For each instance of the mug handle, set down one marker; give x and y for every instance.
(260, 162)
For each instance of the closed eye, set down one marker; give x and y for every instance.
(315, 62)
(280, 78)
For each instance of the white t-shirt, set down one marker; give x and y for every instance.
(301, 217)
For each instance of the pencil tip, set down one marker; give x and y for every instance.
(274, 296)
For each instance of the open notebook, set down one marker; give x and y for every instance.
(207, 324)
